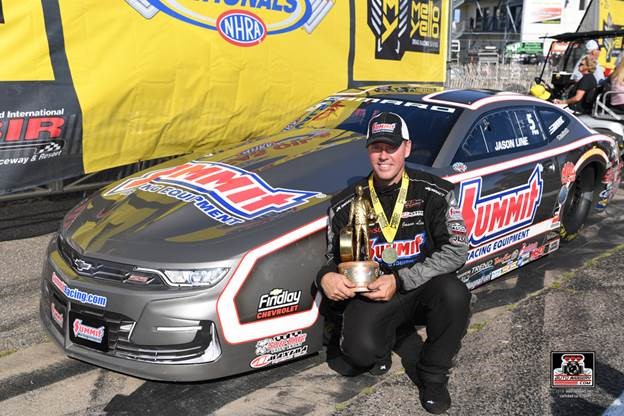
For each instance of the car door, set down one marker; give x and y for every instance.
(507, 191)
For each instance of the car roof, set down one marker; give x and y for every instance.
(419, 93)
(466, 98)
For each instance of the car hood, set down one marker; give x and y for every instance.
(206, 208)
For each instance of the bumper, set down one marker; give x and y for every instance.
(170, 335)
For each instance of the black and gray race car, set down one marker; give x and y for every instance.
(203, 267)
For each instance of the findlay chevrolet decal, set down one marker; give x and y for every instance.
(225, 193)
(278, 302)
(488, 217)
(241, 22)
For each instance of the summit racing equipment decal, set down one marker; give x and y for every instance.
(241, 22)
(87, 332)
(78, 295)
(56, 315)
(488, 217)
(407, 250)
(226, 193)
(278, 302)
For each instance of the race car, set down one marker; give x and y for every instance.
(204, 266)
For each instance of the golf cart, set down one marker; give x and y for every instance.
(602, 118)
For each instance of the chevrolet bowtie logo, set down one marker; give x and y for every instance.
(82, 266)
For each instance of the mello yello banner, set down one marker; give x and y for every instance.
(90, 85)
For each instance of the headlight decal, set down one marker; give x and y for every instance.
(234, 332)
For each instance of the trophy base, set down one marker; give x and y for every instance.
(362, 273)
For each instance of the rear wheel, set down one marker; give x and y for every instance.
(578, 204)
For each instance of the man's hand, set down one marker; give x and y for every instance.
(337, 287)
(382, 289)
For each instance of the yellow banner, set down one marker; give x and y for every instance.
(611, 17)
(24, 42)
(156, 78)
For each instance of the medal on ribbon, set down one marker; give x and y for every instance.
(389, 228)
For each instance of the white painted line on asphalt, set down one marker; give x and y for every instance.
(616, 408)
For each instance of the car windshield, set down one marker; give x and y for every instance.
(428, 124)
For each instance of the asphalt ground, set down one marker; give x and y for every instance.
(571, 300)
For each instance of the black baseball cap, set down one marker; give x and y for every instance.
(387, 128)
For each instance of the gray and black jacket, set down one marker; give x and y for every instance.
(431, 239)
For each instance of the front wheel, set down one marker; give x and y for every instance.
(578, 204)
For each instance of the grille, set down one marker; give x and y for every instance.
(120, 329)
(100, 269)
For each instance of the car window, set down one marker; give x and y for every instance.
(428, 124)
(492, 134)
(474, 146)
(528, 130)
(501, 132)
(555, 123)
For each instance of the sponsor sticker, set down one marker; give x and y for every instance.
(383, 127)
(87, 332)
(413, 203)
(490, 216)
(225, 193)
(568, 175)
(270, 359)
(553, 246)
(57, 316)
(572, 369)
(278, 302)
(459, 167)
(281, 343)
(77, 294)
(410, 214)
(537, 253)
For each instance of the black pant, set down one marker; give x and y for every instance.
(369, 328)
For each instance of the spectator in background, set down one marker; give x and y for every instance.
(583, 93)
(617, 86)
(593, 52)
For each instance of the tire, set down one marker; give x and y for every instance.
(578, 204)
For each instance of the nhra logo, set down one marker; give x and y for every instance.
(241, 193)
(488, 217)
(406, 249)
(241, 22)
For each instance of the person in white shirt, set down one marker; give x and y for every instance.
(593, 51)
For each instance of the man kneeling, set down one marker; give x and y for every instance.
(420, 225)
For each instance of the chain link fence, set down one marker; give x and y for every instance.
(513, 77)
